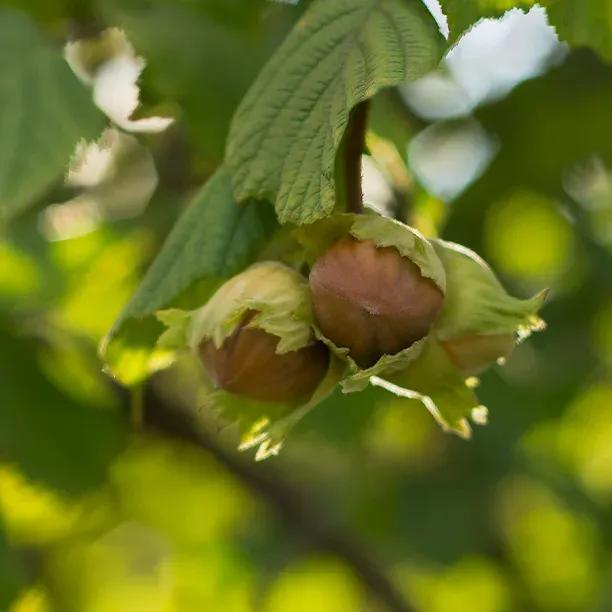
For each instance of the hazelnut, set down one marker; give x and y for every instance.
(371, 299)
(247, 364)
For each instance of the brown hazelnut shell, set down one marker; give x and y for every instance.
(371, 299)
(247, 364)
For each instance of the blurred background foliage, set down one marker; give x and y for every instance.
(507, 148)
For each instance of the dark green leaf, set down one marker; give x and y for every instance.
(53, 439)
(283, 141)
(44, 112)
(11, 573)
(214, 239)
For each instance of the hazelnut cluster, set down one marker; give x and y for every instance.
(377, 300)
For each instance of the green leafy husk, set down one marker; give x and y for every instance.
(356, 378)
(384, 232)
(439, 385)
(476, 302)
(276, 295)
(269, 430)
(277, 298)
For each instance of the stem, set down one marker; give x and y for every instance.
(293, 506)
(137, 407)
(355, 145)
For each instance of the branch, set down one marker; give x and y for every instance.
(297, 514)
(355, 145)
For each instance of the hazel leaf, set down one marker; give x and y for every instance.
(476, 302)
(213, 239)
(284, 137)
(44, 112)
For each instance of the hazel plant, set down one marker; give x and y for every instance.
(305, 291)
(378, 304)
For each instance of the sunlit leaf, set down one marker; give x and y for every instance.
(19, 277)
(560, 568)
(125, 568)
(474, 583)
(284, 137)
(34, 515)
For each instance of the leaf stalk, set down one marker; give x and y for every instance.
(355, 145)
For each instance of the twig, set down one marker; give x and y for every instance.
(136, 407)
(355, 144)
(285, 500)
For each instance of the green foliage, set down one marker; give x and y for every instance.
(277, 294)
(584, 23)
(11, 572)
(284, 137)
(50, 12)
(44, 112)
(581, 87)
(166, 526)
(214, 239)
(41, 428)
